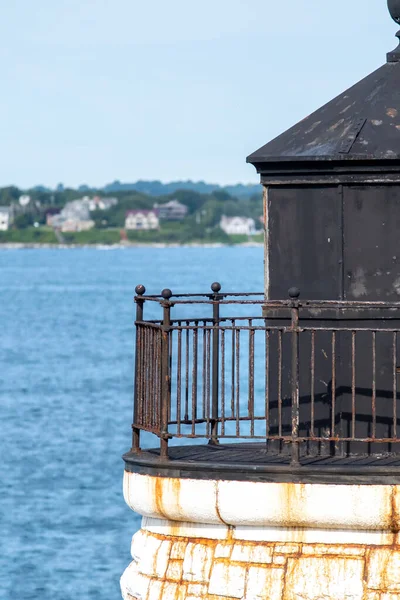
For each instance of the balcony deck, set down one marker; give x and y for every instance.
(252, 462)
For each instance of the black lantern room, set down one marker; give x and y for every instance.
(332, 218)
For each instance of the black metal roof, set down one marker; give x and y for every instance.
(361, 123)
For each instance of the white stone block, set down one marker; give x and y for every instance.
(170, 591)
(134, 583)
(261, 554)
(138, 545)
(163, 558)
(264, 582)
(287, 548)
(337, 549)
(223, 550)
(197, 590)
(314, 578)
(279, 559)
(383, 570)
(174, 570)
(155, 590)
(227, 580)
(197, 563)
(241, 553)
(178, 550)
(148, 560)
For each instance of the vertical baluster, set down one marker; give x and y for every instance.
(313, 383)
(170, 370)
(374, 384)
(139, 300)
(394, 385)
(204, 374)
(237, 344)
(215, 287)
(159, 382)
(251, 379)
(179, 380)
(267, 343)
(294, 295)
(280, 383)
(233, 370)
(150, 376)
(222, 382)
(145, 377)
(165, 373)
(187, 353)
(194, 376)
(353, 384)
(208, 384)
(333, 415)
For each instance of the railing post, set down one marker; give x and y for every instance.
(139, 300)
(165, 373)
(215, 287)
(294, 294)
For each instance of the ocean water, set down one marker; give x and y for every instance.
(66, 387)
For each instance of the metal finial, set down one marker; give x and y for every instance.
(166, 294)
(216, 287)
(394, 9)
(294, 293)
(140, 290)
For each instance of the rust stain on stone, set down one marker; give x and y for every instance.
(172, 488)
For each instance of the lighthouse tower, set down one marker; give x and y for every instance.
(275, 468)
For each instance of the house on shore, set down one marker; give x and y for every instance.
(142, 220)
(237, 225)
(171, 211)
(6, 217)
(75, 216)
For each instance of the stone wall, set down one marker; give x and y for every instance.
(170, 567)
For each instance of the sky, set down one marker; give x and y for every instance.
(98, 90)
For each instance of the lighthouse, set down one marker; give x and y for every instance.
(275, 468)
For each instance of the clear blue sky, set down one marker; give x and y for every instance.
(97, 90)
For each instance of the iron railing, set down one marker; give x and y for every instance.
(307, 377)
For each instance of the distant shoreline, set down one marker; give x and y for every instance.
(22, 246)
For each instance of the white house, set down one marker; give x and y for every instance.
(142, 219)
(6, 215)
(238, 225)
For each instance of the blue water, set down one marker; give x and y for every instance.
(66, 352)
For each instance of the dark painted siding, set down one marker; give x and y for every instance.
(372, 242)
(305, 242)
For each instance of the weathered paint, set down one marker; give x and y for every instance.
(284, 505)
(214, 540)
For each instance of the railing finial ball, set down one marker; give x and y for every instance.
(294, 292)
(166, 294)
(140, 290)
(216, 287)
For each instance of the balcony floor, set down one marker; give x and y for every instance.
(252, 462)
